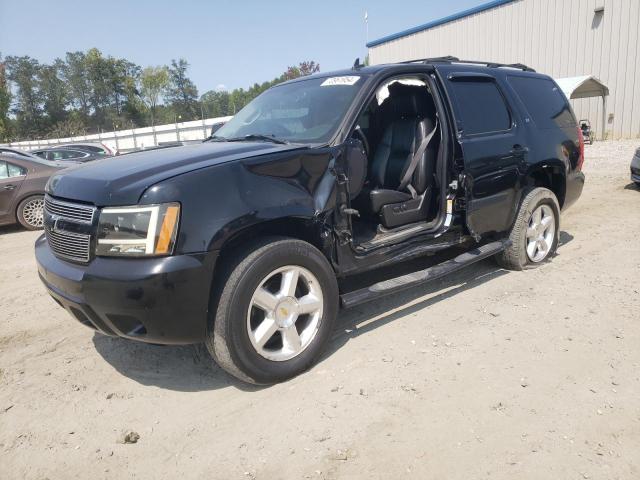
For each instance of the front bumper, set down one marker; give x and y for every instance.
(158, 300)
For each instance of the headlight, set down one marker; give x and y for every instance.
(148, 230)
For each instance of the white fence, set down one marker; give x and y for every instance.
(125, 140)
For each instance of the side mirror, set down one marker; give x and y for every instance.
(356, 166)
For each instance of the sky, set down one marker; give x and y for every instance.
(228, 44)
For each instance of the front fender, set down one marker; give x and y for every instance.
(220, 201)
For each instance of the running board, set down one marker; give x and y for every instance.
(403, 282)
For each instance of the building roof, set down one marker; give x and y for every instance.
(584, 86)
(441, 21)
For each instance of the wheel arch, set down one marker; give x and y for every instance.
(550, 175)
(300, 228)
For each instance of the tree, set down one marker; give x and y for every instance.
(181, 92)
(88, 91)
(153, 81)
(5, 104)
(123, 78)
(74, 125)
(75, 75)
(54, 91)
(23, 72)
(99, 73)
(301, 70)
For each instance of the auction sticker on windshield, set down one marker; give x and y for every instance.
(348, 80)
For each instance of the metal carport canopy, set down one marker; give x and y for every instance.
(586, 86)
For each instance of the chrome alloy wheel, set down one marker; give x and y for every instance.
(541, 233)
(285, 313)
(33, 212)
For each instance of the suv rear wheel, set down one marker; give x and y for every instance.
(535, 232)
(275, 312)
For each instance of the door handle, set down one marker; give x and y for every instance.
(9, 187)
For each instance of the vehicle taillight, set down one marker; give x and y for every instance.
(581, 157)
(110, 150)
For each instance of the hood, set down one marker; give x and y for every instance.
(123, 179)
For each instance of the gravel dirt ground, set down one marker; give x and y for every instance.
(487, 374)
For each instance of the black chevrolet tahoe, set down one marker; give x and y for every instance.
(250, 242)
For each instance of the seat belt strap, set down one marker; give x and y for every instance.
(408, 174)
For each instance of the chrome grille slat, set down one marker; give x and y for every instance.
(69, 211)
(70, 214)
(69, 238)
(63, 243)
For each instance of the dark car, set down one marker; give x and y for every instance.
(77, 154)
(97, 148)
(635, 167)
(251, 241)
(22, 180)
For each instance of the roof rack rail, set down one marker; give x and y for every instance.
(447, 59)
(451, 59)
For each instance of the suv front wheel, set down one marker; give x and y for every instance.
(275, 313)
(535, 232)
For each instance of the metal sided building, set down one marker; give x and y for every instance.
(561, 38)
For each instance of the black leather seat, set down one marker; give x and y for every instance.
(413, 117)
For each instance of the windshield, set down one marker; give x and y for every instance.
(308, 111)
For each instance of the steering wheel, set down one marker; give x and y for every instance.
(363, 137)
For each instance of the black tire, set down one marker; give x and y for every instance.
(228, 338)
(515, 257)
(24, 212)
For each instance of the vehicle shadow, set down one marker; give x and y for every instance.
(565, 238)
(365, 318)
(185, 368)
(190, 369)
(8, 229)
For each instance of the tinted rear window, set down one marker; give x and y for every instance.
(544, 102)
(480, 106)
(91, 148)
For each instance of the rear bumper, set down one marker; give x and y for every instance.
(158, 300)
(575, 184)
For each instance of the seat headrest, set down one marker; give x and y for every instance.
(410, 101)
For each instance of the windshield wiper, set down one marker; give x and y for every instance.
(214, 138)
(258, 136)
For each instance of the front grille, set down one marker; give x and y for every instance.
(72, 246)
(69, 211)
(68, 228)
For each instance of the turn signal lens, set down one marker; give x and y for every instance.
(166, 238)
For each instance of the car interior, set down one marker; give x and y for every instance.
(401, 137)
